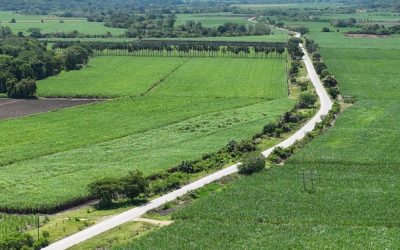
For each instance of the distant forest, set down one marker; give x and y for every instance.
(88, 6)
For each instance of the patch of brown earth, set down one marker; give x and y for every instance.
(12, 108)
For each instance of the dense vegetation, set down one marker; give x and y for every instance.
(170, 76)
(182, 121)
(340, 191)
(23, 60)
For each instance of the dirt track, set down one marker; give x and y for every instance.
(11, 108)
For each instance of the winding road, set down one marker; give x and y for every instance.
(325, 106)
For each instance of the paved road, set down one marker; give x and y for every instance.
(127, 216)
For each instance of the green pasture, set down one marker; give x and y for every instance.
(53, 24)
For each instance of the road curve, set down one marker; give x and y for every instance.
(325, 106)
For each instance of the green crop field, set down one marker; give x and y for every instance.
(243, 78)
(355, 165)
(224, 99)
(110, 76)
(132, 76)
(276, 36)
(211, 20)
(149, 151)
(53, 24)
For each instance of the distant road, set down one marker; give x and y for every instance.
(325, 106)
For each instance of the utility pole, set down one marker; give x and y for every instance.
(38, 224)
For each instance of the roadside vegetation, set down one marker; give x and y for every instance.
(338, 191)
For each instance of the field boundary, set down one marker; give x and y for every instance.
(325, 107)
(162, 79)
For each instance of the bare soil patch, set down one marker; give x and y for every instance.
(366, 36)
(11, 108)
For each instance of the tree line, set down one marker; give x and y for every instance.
(179, 48)
(24, 60)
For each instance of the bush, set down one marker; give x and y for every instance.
(303, 85)
(330, 81)
(325, 73)
(333, 92)
(280, 154)
(319, 67)
(252, 165)
(326, 29)
(26, 88)
(307, 100)
(75, 57)
(269, 129)
(135, 184)
(106, 190)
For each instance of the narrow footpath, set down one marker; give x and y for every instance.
(325, 106)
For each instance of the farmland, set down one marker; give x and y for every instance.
(103, 79)
(53, 24)
(355, 164)
(84, 148)
(111, 77)
(211, 20)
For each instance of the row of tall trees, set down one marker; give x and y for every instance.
(195, 49)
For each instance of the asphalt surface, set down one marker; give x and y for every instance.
(325, 106)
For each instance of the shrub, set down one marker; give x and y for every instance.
(316, 56)
(106, 190)
(303, 85)
(326, 29)
(75, 57)
(319, 67)
(280, 154)
(330, 81)
(325, 73)
(252, 165)
(333, 92)
(26, 88)
(307, 100)
(269, 129)
(135, 184)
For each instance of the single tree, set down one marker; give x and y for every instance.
(135, 184)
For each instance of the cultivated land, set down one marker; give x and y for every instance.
(355, 201)
(111, 76)
(253, 78)
(53, 24)
(73, 147)
(211, 19)
(184, 77)
(11, 108)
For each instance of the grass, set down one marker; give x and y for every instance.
(356, 196)
(243, 78)
(117, 235)
(53, 24)
(111, 77)
(211, 19)
(9, 224)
